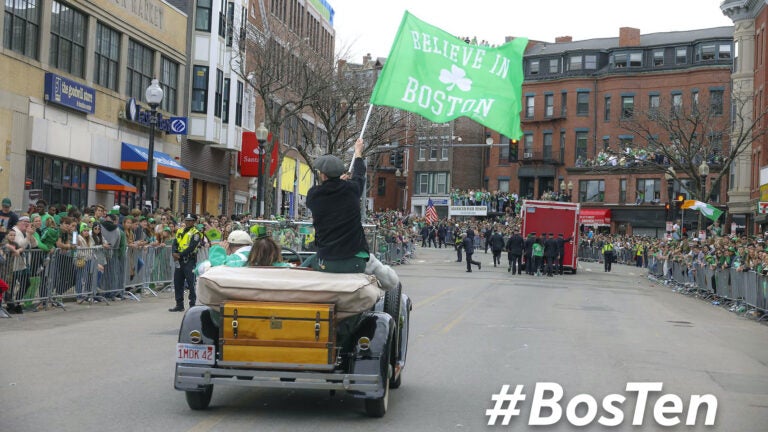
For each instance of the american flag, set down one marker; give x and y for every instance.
(431, 215)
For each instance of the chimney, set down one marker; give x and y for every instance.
(366, 58)
(629, 37)
(563, 39)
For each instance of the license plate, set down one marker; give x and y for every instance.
(198, 354)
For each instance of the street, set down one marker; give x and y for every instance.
(109, 367)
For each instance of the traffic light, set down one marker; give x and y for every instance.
(513, 150)
(680, 199)
(393, 158)
(666, 211)
(399, 159)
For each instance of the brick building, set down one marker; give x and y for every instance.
(575, 94)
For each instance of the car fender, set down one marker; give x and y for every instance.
(202, 319)
(379, 327)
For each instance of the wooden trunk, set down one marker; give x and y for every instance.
(278, 335)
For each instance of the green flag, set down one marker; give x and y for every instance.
(440, 77)
(708, 211)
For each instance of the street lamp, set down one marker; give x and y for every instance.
(562, 190)
(261, 136)
(488, 139)
(669, 175)
(153, 96)
(703, 172)
(570, 191)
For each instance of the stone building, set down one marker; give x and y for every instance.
(70, 71)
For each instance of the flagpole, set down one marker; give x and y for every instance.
(362, 131)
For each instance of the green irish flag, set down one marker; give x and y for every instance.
(440, 77)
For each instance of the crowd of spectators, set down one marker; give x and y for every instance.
(29, 238)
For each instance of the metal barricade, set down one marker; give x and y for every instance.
(737, 283)
(761, 301)
(751, 287)
(722, 284)
(111, 284)
(71, 274)
(161, 268)
(133, 271)
(23, 272)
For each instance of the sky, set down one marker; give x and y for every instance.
(369, 27)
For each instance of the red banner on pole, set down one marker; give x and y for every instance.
(249, 155)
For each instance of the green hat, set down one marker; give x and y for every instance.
(167, 229)
(83, 227)
(258, 231)
(129, 217)
(114, 212)
(150, 220)
(6, 202)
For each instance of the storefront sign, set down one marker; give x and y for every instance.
(146, 10)
(71, 94)
(250, 153)
(171, 125)
(467, 211)
(762, 207)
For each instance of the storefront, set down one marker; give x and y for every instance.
(599, 219)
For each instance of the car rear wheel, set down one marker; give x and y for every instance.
(199, 400)
(378, 407)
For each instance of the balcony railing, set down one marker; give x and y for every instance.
(540, 157)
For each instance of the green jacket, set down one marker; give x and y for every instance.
(47, 241)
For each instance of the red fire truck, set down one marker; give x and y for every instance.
(542, 217)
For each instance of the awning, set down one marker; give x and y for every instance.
(594, 216)
(109, 181)
(135, 158)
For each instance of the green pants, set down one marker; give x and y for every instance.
(348, 265)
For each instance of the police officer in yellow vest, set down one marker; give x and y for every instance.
(608, 255)
(184, 253)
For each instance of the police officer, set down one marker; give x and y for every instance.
(561, 248)
(184, 252)
(515, 246)
(527, 252)
(550, 253)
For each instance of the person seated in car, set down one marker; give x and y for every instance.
(232, 253)
(265, 252)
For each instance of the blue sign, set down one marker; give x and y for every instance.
(177, 126)
(69, 93)
(170, 125)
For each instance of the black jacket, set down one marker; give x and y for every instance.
(561, 244)
(335, 207)
(515, 244)
(469, 245)
(550, 248)
(497, 241)
(529, 245)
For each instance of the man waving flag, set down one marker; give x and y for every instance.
(440, 77)
(706, 210)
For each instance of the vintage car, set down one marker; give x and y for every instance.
(295, 328)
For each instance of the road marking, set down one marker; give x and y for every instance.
(207, 424)
(463, 311)
(430, 299)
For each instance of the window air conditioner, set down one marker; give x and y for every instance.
(528, 155)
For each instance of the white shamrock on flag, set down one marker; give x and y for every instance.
(455, 78)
